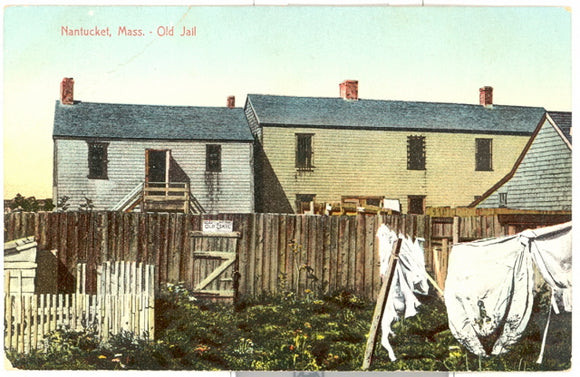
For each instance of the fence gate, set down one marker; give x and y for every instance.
(214, 264)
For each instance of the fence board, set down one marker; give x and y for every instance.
(324, 255)
(312, 275)
(341, 250)
(369, 258)
(274, 253)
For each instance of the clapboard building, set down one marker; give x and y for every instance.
(328, 150)
(152, 158)
(541, 178)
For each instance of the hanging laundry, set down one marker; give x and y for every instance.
(490, 284)
(409, 278)
(552, 254)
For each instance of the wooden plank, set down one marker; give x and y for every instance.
(164, 247)
(267, 253)
(352, 254)
(456, 230)
(343, 255)
(241, 265)
(40, 230)
(290, 252)
(380, 306)
(274, 253)
(87, 234)
(8, 310)
(126, 235)
(359, 279)
(251, 260)
(188, 270)
(34, 323)
(174, 254)
(259, 277)
(199, 233)
(369, 258)
(325, 251)
(211, 254)
(74, 231)
(184, 247)
(428, 244)
(282, 254)
(112, 236)
(298, 250)
(314, 275)
(333, 231)
(305, 237)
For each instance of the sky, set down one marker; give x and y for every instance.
(437, 54)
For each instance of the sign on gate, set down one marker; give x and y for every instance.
(218, 226)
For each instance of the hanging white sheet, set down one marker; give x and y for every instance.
(489, 286)
(409, 278)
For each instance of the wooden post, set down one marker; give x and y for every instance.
(456, 224)
(380, 306)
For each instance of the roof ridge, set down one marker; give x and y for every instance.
(149, 105)
(392, 100)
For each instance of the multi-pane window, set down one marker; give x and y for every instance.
(98, 160)
(416, 204)
(483, 154)
(304, 152)
(416, 153)
(213, 158)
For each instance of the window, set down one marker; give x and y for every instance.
(416, 204)
(213, 158)
(416, 153)
(98, 160)
(304, 151)
(483, 155)
(503, 199)
(303, 202)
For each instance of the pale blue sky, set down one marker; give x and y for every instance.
(403, 53)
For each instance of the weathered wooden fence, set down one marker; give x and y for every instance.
(125, 302)
(275, 252)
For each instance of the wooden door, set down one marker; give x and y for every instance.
(157, 165)
(214, 264)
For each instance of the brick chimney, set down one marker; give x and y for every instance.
(349, 90)
(486, 97)
(231, 102)
(67, 91)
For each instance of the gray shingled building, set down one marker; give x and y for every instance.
(152, 158)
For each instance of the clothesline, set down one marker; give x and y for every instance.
(489, 286)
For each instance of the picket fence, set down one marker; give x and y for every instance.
(125, 302)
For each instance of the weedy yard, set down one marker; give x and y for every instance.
(286, 332)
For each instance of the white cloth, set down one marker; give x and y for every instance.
(409, 278)
(489, 286)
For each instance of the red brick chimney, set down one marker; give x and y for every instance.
(67, 91)
(231, 102)
(349, 90)
(486, 96)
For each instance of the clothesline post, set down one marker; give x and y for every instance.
(380, 306)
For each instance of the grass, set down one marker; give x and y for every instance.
(290, 333)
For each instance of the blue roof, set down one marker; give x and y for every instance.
(287, 111)
(122, 121)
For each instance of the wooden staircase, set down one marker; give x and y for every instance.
(173, 197)
(169, 197)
